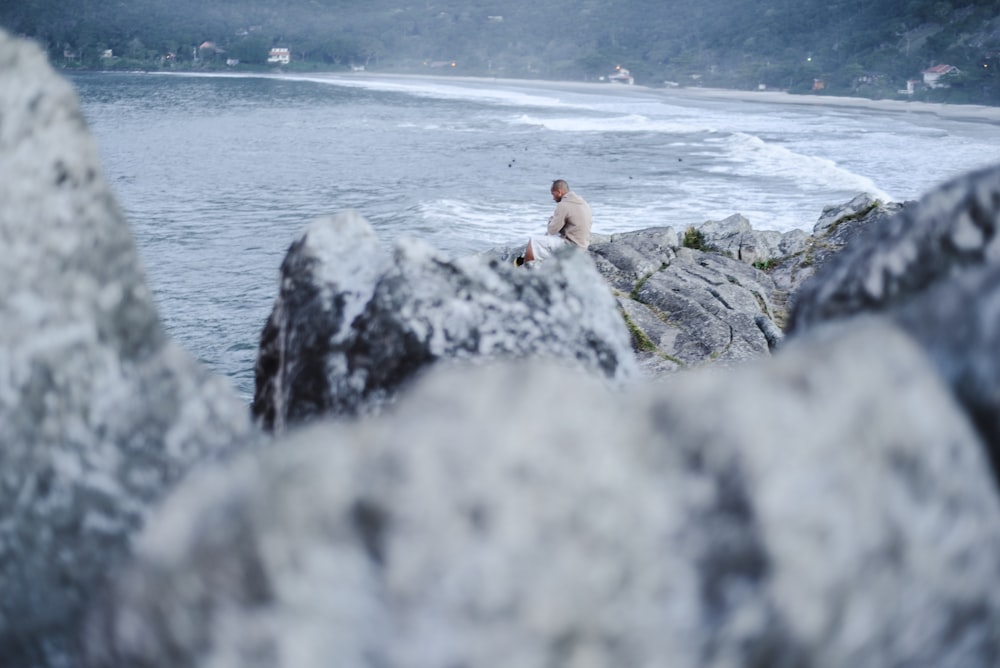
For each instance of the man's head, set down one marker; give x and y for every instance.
(559, 189)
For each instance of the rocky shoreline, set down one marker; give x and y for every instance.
(705, 447)
(715, 294)
(722, 291)
(718, 292)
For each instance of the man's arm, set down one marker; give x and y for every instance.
(558, 220)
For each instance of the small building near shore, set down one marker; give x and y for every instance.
(933, 75)
(279, 54)
(621, 75)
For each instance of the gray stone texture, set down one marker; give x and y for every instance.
(727, 301)
(828, 506)
(328, 277)
(715, 300)
(733, 236)
(695, 307)
(953, 227)
(626, 259)
(836, 227)
(957, 321)
(343, 341)
(99, 412)
(932, 267)
(685, 307)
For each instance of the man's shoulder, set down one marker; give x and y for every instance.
(581, 203)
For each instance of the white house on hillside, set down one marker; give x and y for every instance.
(280, 54)
(932, 75)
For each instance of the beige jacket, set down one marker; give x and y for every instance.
(572, 220)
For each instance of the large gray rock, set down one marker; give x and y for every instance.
(670, 293)
(834, 221)
(686, 307)
(349, 330)
(716, 302)
(99, 412)
(327, 279)
(734, 236)
(933, 267)
(952, 227)
(957, 321)
(829, 506)
(836, 227)
(626, 259)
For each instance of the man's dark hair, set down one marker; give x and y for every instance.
(559, 184)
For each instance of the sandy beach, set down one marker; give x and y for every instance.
(959, 112)
(962, 112)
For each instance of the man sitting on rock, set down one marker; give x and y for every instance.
(569, 224)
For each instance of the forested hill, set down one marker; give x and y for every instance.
(859, 47)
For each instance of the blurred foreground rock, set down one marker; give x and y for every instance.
(828, 507)
(935, 269)
(350, 329)
(953, 228)
(99, 412)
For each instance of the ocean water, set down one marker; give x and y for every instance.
(218, 174)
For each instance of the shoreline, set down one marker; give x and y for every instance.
(955, 112)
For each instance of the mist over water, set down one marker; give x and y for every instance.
(217, 174)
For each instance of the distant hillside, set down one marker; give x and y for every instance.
(852, 47)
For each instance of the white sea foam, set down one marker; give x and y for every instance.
(749, 155)
(490, 222)
(438, 90)
(626, 123)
